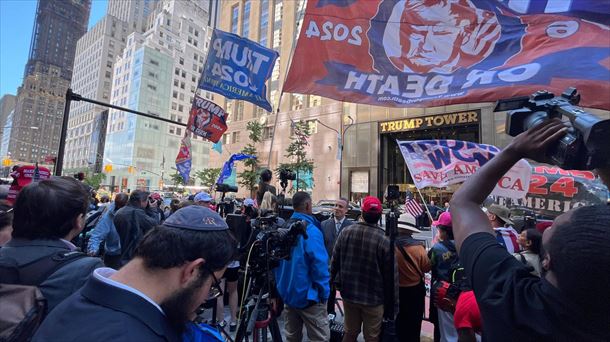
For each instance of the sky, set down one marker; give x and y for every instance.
(16, 24)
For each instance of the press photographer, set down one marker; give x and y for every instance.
(303, 280)
(264, 186)
(569, 303)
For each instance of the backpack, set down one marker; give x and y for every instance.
(23, 305)
(445, 293)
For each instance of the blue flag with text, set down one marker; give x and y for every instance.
(237, 68)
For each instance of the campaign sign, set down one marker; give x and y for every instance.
(23, 176)
(237, 68)
(183, 159)
(412, 53)
(207, 119)
(439, 163)
(553, 191)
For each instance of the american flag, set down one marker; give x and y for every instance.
(412, 207)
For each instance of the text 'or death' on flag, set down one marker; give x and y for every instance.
(431, 53)
(439, 163)
(237, 68)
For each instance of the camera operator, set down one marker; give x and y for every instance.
(570, 301)
(303, 280)
(264, 186)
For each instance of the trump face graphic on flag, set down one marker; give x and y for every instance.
(439, 36)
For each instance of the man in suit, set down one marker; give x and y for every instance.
(175, 269)
(331, 229)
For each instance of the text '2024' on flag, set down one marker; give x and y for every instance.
(426, 53)
(439, 163)
(237, 68)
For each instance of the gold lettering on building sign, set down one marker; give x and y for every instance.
(432, 121)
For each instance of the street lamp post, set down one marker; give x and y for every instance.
(341, 138)
(70, 96)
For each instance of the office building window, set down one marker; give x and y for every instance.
(264, 24)
(234, 18)
(245, 20)
(277, 24)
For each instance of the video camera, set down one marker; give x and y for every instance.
(272, 243)
(584, 147)
(287, 175)
(225, 188)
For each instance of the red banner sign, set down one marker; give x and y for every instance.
(420, 53)
(207, 119)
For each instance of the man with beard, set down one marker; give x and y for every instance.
(175, 269)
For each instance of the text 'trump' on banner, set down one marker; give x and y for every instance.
(237, 68)
(429, 53)
(439, 163)
(207, 119)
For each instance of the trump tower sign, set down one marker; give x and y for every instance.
(422, 53)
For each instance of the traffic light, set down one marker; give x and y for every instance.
(108, 168)
(7, 162)
(131, 169)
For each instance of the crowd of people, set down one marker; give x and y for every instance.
(145, 271)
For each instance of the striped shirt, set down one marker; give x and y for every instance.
(507, 237)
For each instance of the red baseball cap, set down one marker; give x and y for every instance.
(372, 205)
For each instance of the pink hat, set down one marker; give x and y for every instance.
(443, 220)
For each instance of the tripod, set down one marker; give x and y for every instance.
(258, 318)
(214, 322)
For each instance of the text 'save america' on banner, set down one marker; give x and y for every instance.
(207, 119)
(411, 53)
(237, 68)
(439, 163)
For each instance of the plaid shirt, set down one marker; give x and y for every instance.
(359, 265)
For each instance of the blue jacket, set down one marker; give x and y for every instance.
(305, 276)
(105, 231)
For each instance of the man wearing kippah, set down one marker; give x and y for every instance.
(153, 297)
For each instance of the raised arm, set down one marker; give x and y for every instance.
(467, 216)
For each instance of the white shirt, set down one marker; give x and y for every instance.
(103, 274)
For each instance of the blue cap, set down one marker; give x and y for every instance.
(203, 197)
(249, 202)
(196, 217)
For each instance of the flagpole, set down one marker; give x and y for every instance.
(279, 102)
(425, 205)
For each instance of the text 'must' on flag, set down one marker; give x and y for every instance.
(237, 68)
(431, 53)
(412, 207)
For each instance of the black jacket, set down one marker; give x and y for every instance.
(63, 282)
(102, 312)
(132, 223)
